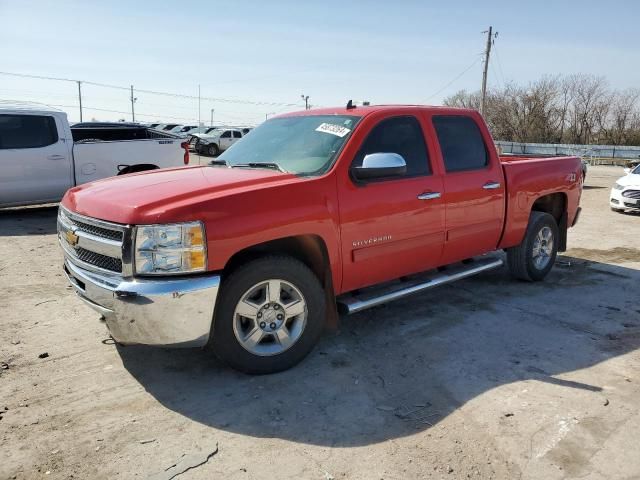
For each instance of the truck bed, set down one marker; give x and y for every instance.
(528, 178)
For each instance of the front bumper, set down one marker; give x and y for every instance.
(165, 311)
(617, 200)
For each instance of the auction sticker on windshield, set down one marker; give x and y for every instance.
(336, 130)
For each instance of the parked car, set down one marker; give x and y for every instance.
(349, 207)
(625, 194)
(41, 156)
(218, 141)
(183, 130)
(167, 127)
(195, 137)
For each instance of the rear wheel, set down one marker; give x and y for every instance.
(213, 150)
(270, 315)
(534, 257)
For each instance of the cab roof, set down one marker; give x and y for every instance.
(361, 111)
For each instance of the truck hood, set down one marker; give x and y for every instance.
(162, 196)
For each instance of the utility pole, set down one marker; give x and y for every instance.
(80, 98)
(306, 101)
(199, 110)
(133, 101)
(487, 53)
(212, 110)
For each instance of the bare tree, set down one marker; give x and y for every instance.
(574, 109)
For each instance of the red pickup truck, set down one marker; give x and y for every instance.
(312, 213)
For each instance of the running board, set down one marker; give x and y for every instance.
(352, 303)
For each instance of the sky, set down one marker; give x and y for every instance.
(251, 59)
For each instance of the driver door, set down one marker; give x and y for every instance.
(392, 226)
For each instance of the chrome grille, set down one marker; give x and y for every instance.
(631, 194)
(91, 243)
(98, 260)
(97, 231)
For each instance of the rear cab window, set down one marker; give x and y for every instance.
(461, 143)
(27, 131)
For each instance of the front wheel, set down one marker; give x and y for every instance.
(213, 150)
(270, 315)
(534, 257)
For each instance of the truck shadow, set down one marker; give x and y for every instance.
(39, 220)
(401, 368)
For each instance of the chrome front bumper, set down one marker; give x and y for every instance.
(165, 312)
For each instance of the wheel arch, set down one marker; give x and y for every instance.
(555, 204)
(140, 167)
(310, 249)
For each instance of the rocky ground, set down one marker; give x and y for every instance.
(487, 378)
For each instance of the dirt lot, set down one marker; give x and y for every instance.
(487, 378)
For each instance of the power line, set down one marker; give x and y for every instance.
(495, 49)
(126, 113)
(452, 81)
(154, 92)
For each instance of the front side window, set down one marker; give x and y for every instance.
(27, 131)
(226, 134)
(303, 145)
(401, 135)
(461, 143)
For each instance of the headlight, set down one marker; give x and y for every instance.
(617, 186)
(170, 249)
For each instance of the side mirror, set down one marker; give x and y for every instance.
(380, 165)
(627, 170)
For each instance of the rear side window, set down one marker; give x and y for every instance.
(27, 131)
(237, 134)
(401, 135)
(461, 143)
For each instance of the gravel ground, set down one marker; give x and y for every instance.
(486, 378)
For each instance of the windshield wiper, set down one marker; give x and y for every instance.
(269, 165)
(218, 162)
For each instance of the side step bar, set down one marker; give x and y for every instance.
(352, 303)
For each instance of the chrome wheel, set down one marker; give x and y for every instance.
(270, 317)
(542, 248)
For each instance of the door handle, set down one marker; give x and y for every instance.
(56, 157)
(429, 196)
(491, 185)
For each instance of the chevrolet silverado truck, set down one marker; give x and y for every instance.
(41, 156)
(315, 213)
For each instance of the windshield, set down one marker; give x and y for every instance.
(636, 170)
(305, 145)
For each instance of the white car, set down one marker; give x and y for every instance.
(625, 194)
(218, 141)
(41, 156)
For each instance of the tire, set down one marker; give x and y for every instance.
(213, 150)
(523, 265)
(245, 289)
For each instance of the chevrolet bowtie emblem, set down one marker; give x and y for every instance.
(72, 238)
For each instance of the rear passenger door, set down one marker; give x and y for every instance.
(474, 190)
(35, 164)
(237, 135)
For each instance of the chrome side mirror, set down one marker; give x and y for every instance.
(380, 165)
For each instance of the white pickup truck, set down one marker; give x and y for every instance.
(41, 156)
